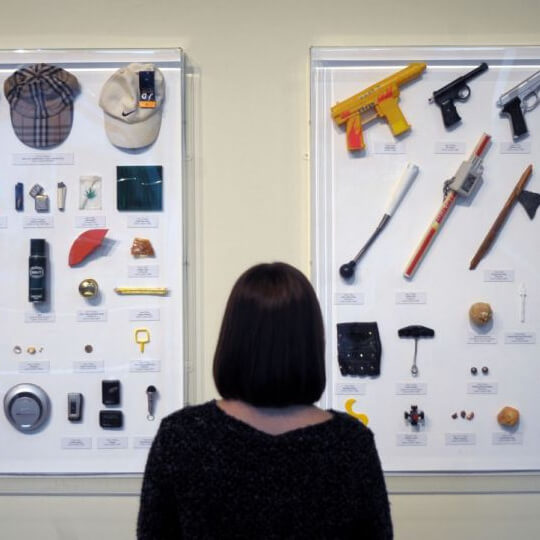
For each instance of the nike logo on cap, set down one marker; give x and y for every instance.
(127, 113)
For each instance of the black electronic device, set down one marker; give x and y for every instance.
(110, 392)
(111, 419)
(75, 405)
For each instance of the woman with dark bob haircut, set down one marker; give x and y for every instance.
(264, 462)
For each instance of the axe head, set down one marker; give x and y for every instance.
(530, 202)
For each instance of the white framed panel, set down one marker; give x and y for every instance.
(61, 446)
(349, 193)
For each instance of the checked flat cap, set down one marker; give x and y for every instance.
(41, 100)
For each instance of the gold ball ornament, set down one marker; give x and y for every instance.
(88, 288)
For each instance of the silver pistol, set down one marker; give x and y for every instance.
(519, 100)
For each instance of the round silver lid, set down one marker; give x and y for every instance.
(27, 407)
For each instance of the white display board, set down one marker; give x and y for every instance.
(349, 195)
(60, 329)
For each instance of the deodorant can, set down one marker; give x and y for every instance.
(37, 271)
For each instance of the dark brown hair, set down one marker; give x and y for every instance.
(270, 350)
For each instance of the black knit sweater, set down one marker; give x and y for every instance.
(211, 476)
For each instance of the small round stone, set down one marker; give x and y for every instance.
(88, 349)
(485, 370)
(31, 350)
(17, 349)
(474, 371)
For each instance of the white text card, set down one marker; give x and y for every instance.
(499, 275)
(90, 222)
(353, 389)
(520, 338)
(449, 147)
(411, 297)
(38, 222)
(88, 366)
(92, 315)
(411, 439)
(392, 147)
(76, 443)
(144, 314)
(482, 388)
(411, 388)
(144, 365)
(143, 271)
(521, 147)
(460, 439)
(112, 443)
(43, 159)
(348, 299)
(142, 222)
(507, 438)
(34, 366)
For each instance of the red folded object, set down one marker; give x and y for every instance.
(86, 243)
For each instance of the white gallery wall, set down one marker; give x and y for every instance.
(251, 203)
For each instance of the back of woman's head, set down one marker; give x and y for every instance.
(270, 350)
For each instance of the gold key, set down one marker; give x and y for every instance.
(142, 337)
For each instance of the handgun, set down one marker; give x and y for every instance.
(518, 100)
(378, 100)
(456, 90)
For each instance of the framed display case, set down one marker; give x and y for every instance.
(457, 409)
(92, 235)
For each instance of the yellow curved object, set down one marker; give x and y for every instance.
(360, 416)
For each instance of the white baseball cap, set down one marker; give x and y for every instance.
(127, 124)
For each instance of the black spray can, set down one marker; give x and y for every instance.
(37, 271)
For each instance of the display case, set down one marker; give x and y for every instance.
(449, 375)
(92, 236)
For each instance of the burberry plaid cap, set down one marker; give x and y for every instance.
(41, 99)
(126, 123)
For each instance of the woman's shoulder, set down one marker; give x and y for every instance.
(195, 415)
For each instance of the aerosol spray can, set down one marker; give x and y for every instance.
(37, 271)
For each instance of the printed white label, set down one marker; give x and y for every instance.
(460, 439)
(520, 338)
(144, 365)
(411, 439)
(142, 222)
(37, 317)
(142, 443)
(382, 147)
(112, 443)
(3, 222)
(88, 366)
(356, 389)
(499, 275)
(411, 297)
(38, 222)
(90, 222)
(76, 443)
(449, 147)
(481, 339)
(43, 159)
(507, 438)
(349, 299)
(92, 315)
(411, 389)
(482, 388)
(144, 314)
(34, 366)
(143, 271)
(522, 147)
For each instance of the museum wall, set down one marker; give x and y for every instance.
(250, 197)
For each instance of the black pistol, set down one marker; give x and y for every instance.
(456, 90)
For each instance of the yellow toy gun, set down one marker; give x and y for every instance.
(377, 100)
